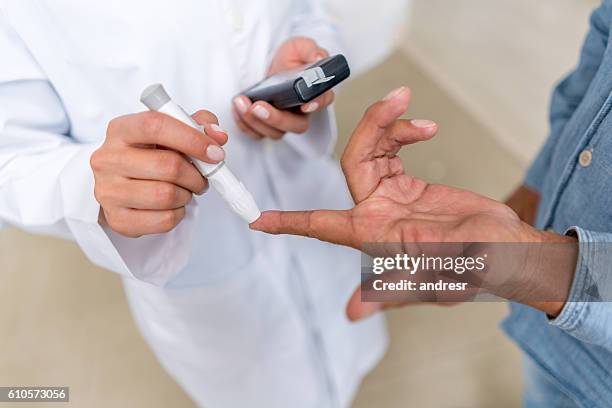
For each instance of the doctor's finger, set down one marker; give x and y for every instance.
(283, 121)
(136, 223)
(160, 165)
(219, 135)
(204, 117)
(308, 50)
(210, 122)
(246, 129)
(325, 225)
(256, 126)
(261, 128)
(153, 128)
(145, 195)
(319, 103)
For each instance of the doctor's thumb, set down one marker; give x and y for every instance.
(316, 54)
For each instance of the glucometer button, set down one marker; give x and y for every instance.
(315, 76)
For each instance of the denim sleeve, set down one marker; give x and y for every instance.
(569, 93)
(587, 314)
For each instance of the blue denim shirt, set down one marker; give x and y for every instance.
(573, 173)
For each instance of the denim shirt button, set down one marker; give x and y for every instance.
(586, 158)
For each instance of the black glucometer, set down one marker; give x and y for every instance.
(290, 89)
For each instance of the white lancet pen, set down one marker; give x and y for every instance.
(220, 176)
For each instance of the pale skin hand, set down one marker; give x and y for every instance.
(393, 207)
(261, 120)
(143, 177)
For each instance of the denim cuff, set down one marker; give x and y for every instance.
(588, 311)
(575, 308)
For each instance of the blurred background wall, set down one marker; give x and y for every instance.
(500, 59)
(483, 70)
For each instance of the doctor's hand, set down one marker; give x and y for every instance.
(260, 119)
(143, 179)
(395, 208)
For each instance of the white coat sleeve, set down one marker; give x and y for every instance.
(46, 183)
(311, 20)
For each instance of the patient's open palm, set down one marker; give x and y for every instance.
(390, 205)
(394, 208)
(402, 208)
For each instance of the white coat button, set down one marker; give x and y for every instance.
(234, 19)
(586, 158)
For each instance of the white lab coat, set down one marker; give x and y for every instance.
(238, 318)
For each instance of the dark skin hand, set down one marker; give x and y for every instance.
(394, 207)
(525, 202)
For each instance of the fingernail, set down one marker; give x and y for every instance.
(260, 223)
(420, 123)
(255, 225)
(241, 105)
(311, 107)
(217, 128)
(261, 112)
(215, 153)
(201, 193)
(394, 93)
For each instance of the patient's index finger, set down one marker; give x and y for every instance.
(325, 225)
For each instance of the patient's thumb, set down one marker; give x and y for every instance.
(357, 309)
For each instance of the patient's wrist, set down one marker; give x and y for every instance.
(551, 268)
